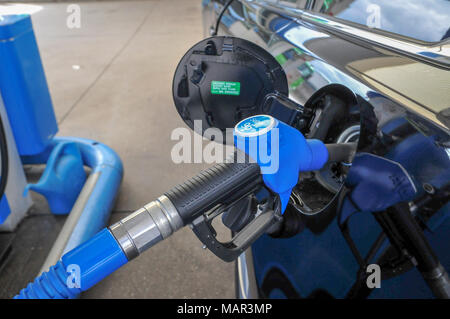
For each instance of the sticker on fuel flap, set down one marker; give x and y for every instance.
(225, 88)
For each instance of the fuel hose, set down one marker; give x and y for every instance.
(87, 264)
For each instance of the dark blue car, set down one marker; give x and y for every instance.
(379, 70)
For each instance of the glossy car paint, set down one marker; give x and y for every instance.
(400, 87)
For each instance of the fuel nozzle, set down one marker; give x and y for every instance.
(282, 152)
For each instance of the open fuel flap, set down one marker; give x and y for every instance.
(222, 80)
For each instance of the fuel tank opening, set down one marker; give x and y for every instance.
(332, 120)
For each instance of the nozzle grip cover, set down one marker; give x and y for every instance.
(220, 183)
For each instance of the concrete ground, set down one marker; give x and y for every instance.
(111, 81)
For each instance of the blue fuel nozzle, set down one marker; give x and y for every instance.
(281, 151)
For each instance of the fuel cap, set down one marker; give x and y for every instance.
(222, 80)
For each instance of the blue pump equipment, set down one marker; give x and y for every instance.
(63, 178)
(87, 264)
(99, 190)
(100, 255)
(88, 198)
(24, 87)
(28, 115)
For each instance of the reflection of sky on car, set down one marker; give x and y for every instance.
(299, 35)
(235, 15)
(333, 75)
(427, 20)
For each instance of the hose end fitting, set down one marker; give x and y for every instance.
(147, 226)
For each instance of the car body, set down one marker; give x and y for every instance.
(396, 82)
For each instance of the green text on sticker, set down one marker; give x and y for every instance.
(225, 88)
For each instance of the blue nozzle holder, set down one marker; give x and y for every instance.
(63, 178)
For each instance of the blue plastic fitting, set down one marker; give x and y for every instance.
(280, 150)
(107, 164)
(78, 270)
(63, 178)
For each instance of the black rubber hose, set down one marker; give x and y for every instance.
(413, 236)
(415, 242)
(225, 7)
(342, 152)
(4, 159)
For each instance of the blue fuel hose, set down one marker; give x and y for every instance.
(78, 270)
(86, 265)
